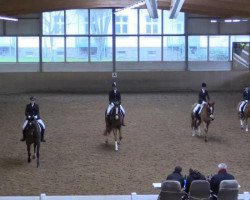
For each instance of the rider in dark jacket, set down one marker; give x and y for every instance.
(193, 175)
(32, 110)
(202, 100)
(114, 96)
(176, 176)
(246, 98)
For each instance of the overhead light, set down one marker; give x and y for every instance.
(175, 8)
(152, 8)
(136, 5)
(8, 18)
(213, 20)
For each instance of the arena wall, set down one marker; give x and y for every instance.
(129, 81)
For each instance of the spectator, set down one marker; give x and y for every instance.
(176, 176)
(193, 175)
(217, 178)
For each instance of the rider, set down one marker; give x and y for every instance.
(203, 99)
(114, 96)
(246, 98)
(32, 109)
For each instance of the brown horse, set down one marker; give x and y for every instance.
(114, 123)
(206, 116)
(244, 118)
(33, 135)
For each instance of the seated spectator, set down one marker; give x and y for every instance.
(193, 175)
(177, 176)
(217, 178)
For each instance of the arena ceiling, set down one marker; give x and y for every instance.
(214, 8)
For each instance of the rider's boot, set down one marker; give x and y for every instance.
(24, 136)
(42, 136)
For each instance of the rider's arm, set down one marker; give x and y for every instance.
(26, 111)
(110, 96)
(38, 112)
(208, 98)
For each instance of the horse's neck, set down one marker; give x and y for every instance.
(204, 113)
(247, 110)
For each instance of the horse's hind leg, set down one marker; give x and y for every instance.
(29, 154)
(37, 154)
(246, 125)
(120, 136)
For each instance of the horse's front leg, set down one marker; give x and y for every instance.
(120, 136)
(29, 154)
(34, 155)
(246, 124)
(241, 123)
(115, 136)
(37, 154)
(205, 129)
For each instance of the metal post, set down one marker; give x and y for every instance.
(42, 197)
(113, 41)
(133, 196)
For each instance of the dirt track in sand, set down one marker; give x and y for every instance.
(75, 160)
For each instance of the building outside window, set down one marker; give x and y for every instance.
(121, 24)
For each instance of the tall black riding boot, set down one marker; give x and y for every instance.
(24, 136)
(42, 136)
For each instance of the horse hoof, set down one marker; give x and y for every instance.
(29, 160)
(106, 141)
(205, 139)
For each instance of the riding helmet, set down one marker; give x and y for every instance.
(203, 85)
(32, 98)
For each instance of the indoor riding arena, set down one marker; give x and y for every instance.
(69, 67)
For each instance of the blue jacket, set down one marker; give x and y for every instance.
(203, 96)
(114, 96)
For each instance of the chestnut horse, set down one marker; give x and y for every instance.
(33, 135)
(114, 123)
(243, 118)
(206, 116)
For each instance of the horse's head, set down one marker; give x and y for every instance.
(116, 110)
(210, 109)
(32, 124)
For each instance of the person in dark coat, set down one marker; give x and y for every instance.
(176, 176)
(217, 178)
(193, 175)
(114, 96)
(32, 110)
(246, 98)
(203, 98)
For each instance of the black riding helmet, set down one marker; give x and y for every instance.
(203, 85)
(32, 98)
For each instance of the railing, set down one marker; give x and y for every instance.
(133, 196)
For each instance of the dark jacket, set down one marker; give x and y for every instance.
(203, 96)
(194, 175)
(176, 176)
(32, 110)
(216, 179)
(246, 95)
(114, 96)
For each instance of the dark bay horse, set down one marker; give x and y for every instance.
(114, 123)
(33, 135)
(244, 118)
(206, 116)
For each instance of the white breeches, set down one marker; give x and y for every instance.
(110, 106)
(39, 121)
(199, 106)
(243, 103)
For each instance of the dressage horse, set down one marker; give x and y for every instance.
(114, 123)
(33, 135)
(246, 114)
(206, 116)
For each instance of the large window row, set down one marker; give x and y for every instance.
(127, 48)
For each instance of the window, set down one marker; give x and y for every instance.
(149, 25)
(218, 48)
(77, 22)
(53, 49)
(77, 49)
(174, 48)
(100, 21)
(53, 23)
(28, 49)
(173, 26)
(101, 49)
(238, 38)
(121, 24)
(150, 48)
(7, 49)
(131, 21)
(197, 49)
(126, 48)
